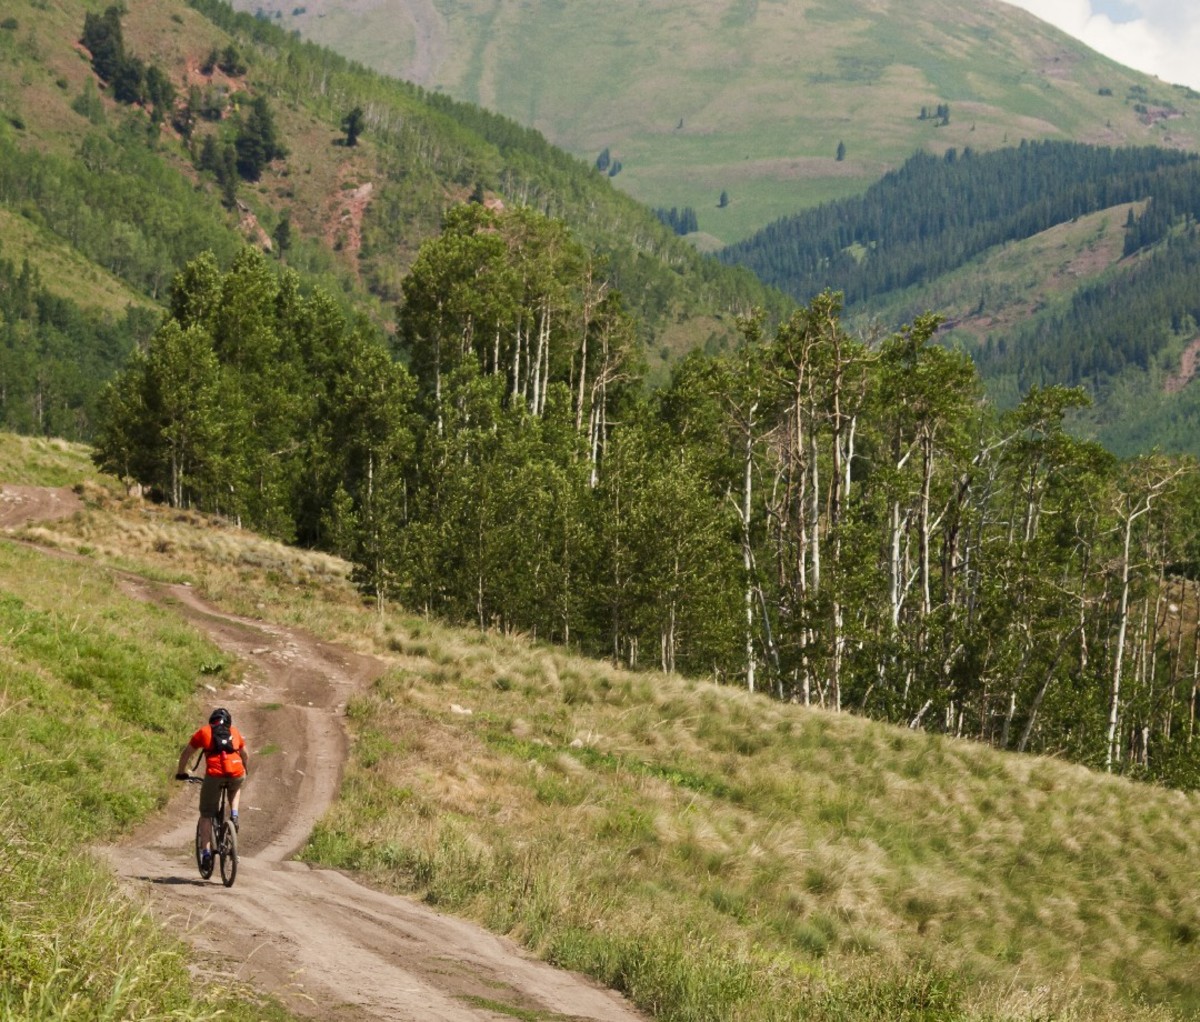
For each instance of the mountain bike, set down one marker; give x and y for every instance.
(224, 841)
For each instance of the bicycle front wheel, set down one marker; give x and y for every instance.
(229, 855)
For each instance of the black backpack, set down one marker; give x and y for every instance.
(222, 740)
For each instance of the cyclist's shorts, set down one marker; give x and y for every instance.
(210, 792)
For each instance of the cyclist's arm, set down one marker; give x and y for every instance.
(184, 755)
(245, 754)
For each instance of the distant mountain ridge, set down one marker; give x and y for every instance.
(747, 110)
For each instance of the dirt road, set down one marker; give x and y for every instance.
(328, 947)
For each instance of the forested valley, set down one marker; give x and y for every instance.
(933, 214)
(120, 165)
(1119, 333)
(827, 521)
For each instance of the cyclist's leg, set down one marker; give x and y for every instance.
(210, 797)
(234, 786)
(235, 791)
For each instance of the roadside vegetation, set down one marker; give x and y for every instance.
(714, 854)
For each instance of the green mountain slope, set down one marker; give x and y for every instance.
(753, 98)
(106, 195)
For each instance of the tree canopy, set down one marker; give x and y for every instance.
(824, 519)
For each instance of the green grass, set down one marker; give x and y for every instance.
(62, 270)
(38, 461)
(716, 855)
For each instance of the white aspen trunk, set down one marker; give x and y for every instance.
(916, 721)
(668, 635)
(1119, 655)
(1195, 680)
(799, 474)
(849, 455)
(545, 373)
(437, 383)
(590, 300)
(895, 567)
(582, 382)
(1176, 609)
(926, 486)
(517, 342)
(747, 559)
(815, 497)
(603, 425)
(466, 338)
(535, 369)
(594, 444)
(376, 557)
(839, 476)
(839, 643)
(1151, 631)
(540, 360)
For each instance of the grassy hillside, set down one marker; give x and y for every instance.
(712, 853)
(1006, 286)
(753, 98)
(87, 670)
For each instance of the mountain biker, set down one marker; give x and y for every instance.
(226, 760)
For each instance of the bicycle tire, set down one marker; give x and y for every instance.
(205, 872)
(229, 853)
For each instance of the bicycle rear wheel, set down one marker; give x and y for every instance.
(229, 854)
(205, 871)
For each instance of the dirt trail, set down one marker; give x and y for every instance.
(329, 947)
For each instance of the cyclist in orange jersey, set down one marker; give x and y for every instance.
(225, 765)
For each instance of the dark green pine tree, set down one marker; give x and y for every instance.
(257, 142)
(353, 124)
(103, 39)
(129, 81)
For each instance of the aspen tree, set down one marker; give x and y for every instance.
(1148, 479)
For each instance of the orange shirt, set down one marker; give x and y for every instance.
(220, 764)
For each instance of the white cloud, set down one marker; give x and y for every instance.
(1160, 37)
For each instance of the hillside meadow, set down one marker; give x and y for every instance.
(713, 854)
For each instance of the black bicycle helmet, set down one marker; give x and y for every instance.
(220, 716)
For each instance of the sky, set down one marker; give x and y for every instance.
(1159, 37)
